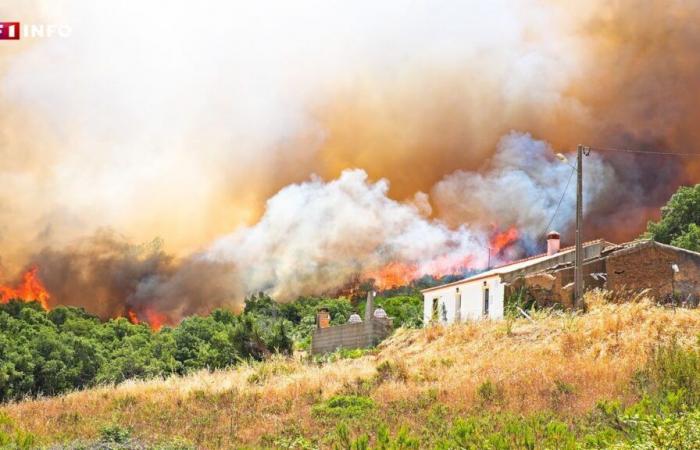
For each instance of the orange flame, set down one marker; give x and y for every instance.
(393, 274)
(132, 317)
(31, 288)
(155, 319)
(400, 274)
(502, 240)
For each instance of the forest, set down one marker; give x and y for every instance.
(64, 349)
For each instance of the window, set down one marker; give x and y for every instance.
(458, 306)
(486, 300)
(434, 315)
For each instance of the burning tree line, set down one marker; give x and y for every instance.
(116, 280)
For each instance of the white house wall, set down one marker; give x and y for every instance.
(471, 301)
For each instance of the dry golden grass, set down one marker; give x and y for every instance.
(592, 356)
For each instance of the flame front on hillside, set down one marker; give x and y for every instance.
(30, 289)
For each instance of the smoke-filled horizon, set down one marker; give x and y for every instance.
(291, 147)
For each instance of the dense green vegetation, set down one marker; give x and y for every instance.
(680, 220)
(50, 352)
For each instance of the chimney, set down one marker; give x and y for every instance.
(553, 243)
(369, 306)
(323, 319)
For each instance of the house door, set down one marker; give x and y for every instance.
(434, 315)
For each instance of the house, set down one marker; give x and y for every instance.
(355, 333)
(662, 271)
(483, 295)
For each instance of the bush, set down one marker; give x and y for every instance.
(391, 370)
(115, 433)
(489, 393)
(344, 406)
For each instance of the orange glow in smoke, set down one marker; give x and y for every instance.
(397, 273)
(502, 240)
(155, 319)
(31, 288)
(132, 317)
(393, 274)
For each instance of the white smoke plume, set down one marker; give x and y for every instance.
(316, 236)
(521, 184)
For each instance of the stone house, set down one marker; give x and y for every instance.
(661, 270)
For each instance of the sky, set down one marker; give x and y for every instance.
(290, 146)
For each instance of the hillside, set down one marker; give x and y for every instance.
(554, 380)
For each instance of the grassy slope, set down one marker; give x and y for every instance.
(559, 363)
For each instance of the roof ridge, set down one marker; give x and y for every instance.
(571, 247)
(493, 271)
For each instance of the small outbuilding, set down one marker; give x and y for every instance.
(356, 333)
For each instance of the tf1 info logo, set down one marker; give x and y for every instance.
(9, 30)
(13, 30)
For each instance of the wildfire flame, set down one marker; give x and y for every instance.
(393, 274)
(131, 315)
(155, 319)
(504, 239)
(31, 288)
(400, 274)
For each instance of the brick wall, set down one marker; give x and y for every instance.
(350, 335)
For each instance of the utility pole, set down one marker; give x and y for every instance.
(578, 265)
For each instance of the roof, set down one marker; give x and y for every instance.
(516, 265)
(630, 247)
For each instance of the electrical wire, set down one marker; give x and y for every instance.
(627, 150)
(561, 199)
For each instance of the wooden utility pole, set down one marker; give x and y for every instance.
(578, 265)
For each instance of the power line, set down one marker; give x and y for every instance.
(563, 194)
(627, 150)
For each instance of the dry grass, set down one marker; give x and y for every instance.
(559, 362)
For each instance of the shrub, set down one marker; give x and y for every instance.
(489, 393)
(115, 433)
(391, 370)
(344, 406)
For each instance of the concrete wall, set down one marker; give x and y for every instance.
(350, 335)
(468, 306)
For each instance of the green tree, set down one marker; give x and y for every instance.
(680, 218)
(690, 239)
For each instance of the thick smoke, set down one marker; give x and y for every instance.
(184, 125)
(110, 277)
(317, 236)
(522, 185)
